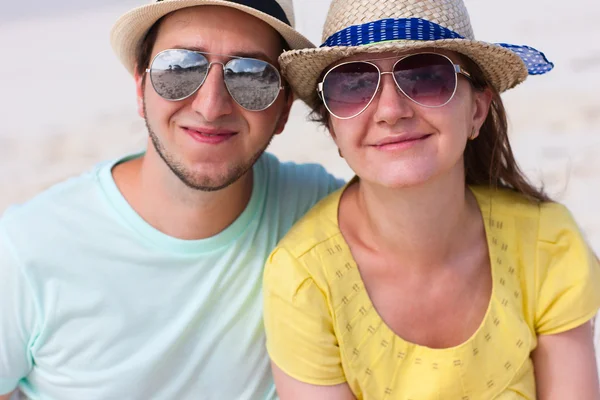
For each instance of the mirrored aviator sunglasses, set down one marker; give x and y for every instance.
(177, 74)
(428, 79)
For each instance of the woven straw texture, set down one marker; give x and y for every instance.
(129, 30)
(302, 68)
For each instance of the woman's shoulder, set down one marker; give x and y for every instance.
(541, 255)
(299, 257)
(509, 213)
(503, 203)
(318, 225)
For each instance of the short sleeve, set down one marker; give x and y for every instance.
(568, 274)
(17, 319)
(300, 336)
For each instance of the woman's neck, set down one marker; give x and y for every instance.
(425, 226)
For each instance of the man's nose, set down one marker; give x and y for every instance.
(213, 100)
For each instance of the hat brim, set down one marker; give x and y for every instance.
(302, 68)
(129, 30)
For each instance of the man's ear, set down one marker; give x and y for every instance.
(139, 90)
(285, 114)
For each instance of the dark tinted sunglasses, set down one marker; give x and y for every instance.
(428, 79)
(176, 74)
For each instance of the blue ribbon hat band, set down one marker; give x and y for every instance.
(535, 60)
(420, 29)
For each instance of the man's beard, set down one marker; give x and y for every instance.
(197, 180)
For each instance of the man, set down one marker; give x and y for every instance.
(141, 278)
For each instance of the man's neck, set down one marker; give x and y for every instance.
(173, 208)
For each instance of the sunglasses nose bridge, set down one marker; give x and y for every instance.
(381, 82)
(214, 93)
(394, 81)
(391, 102)
(209, 67)
(213, 63)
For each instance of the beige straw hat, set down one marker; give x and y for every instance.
(365, 26)
(129, 30)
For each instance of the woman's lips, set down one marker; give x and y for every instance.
(400, 142)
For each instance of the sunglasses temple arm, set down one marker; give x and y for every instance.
(320, 90)
(458, 69)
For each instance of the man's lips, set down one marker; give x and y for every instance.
(209, 131)
(209, 135)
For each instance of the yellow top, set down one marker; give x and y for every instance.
(323, 329)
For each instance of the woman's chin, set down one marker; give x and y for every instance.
(399, 177)
(399, 181)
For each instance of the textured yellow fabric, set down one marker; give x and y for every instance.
(323, 329)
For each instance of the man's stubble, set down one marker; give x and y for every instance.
(199, 180)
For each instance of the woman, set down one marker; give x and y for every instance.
(439, 272)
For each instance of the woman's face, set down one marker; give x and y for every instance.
(396, 142)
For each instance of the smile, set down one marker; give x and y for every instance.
(209, 136)
(400, 142)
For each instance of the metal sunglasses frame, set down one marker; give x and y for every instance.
(210, 64)
(457, 70)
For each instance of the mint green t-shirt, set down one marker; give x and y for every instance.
(97, 304)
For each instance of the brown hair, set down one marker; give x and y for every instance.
(489, 159)
(144, 50)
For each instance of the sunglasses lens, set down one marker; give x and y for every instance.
(349, 88)
(428, 79)
(253, 84)
(177, 74)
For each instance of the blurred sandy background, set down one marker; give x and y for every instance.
(66, 102)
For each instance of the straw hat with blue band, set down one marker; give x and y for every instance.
(375, 26)
(129, 31)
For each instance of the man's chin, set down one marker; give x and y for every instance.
(209, 177)
(205, 175)
(210, 183)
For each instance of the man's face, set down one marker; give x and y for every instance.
(208, 140)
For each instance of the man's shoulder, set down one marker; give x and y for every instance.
(300, 176)
(59, 203)
(291, 169)
(288, 190)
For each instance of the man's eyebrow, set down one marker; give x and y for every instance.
(245, 54)
(255, 54)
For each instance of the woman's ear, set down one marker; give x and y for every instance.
(327, 120)
(481, 106)
(331, 129)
